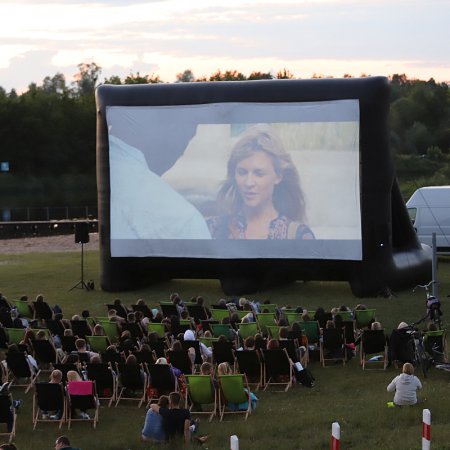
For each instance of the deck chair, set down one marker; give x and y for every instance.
(98, 344)
(133, 382)
(292, 348)
(81, 328)
(200, 391)
(222, 329)
(68, 344)
(273, 331)
(219, 314)
(323, 319)
(5, 319)
(208, 341)
(332, 346)
(20, 368)
(196, 346)
(345, 315)
(364, 317)
(45, 353)
(144, 309)
(291, 315)
(23, 308)
(312, 331)
(349, 331)
(120, 310)
(235, 391)
(48, 397)
(265, 319)
(168, 309)
(247, 329)
(105, 380)
(159, 347)
(374, 349)
(111, 329)
(278, 369)
(42, 311)
(82, 395)
(8, 414)
(159, 328)
(15, 335)
(112, 357)
(223, 352)
(435, 343)
(56, 327)
(249, 362)
(271, 307)
(134, 329)
(162, 381)
(65, 367)
(197, 312)
(181, 360)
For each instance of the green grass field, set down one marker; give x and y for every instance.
(298, 419)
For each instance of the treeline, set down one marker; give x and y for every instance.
(47, 134)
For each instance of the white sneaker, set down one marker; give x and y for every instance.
(44, 416)
(84, 415)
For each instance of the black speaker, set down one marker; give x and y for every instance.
(81, 233)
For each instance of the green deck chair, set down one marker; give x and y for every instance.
(346, 315)
(235, 391)
(364, 317)
(15, 335)
(273, 331)
(208, 341)
(158, 328)
(23, 308)
(219, 314)
(220, 329)
(291, 315)
(312, 331)
(111, 329)
(98, 344)
(247, 329)
(271, 307)
(200, 391)
(265, 319)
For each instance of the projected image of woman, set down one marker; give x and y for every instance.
(261, 197)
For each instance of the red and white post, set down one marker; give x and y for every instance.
(426, 429)
(234, 442)
(335, 436)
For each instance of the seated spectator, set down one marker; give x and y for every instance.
(400, 345)
(405, 386)
(55, 378)
(153, 430)
(82, 352)
(72, 375)
(63, 443)
(206, 351)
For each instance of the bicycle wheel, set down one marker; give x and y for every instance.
(422, 358)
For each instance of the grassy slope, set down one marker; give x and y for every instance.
(300, 419)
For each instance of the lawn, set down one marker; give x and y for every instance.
(299, 419)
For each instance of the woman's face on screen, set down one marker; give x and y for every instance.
(256, 179)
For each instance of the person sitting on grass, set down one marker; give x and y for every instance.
(153, 430)
(63, 443)
(405, 386)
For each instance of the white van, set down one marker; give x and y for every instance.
(429, 209)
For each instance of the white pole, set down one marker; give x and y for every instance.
(335, 436)
(234, 442)
(426, 429)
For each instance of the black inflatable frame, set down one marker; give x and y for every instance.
(393, 258)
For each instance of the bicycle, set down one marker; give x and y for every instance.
(432, 303)
(418, 353)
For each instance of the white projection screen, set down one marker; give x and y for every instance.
(169, 163)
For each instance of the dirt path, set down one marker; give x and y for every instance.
(46, 244)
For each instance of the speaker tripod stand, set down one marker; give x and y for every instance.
(81, 284)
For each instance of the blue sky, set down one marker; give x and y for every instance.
(327, 37)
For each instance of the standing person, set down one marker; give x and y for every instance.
(261, 196)
(153, 430)
(405, 386)
(63, 443)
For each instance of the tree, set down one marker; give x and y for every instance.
(86, 78)
(138, 79)
(260, 76)
(55, 84)
(185, 77)
(284, 74)
(228, 75)
(114, 79)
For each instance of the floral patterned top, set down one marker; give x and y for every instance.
(234, 227)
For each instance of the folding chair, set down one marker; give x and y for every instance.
(162, 381)
(373, 344)
(292, 348)
(120, 310)
(98, 344)
(312, 331)
(144, 309)
(278, 368)
(159, 347)
(23, 308)
(236, 391)
(291, 315)
(19, 367)
(112, 357)
(81, 328)
(159, 328)
(208, 341)
(45, 353)
(110, 328)
(8, 414)
(197, 312)
(168, 309)
(181, 360)
(105, 380)
(200, 391)
(15, 335)
(82, 395)
(345, 315)
(249, 363)
(223, 352)
(247, 329)
(222, 329)
(144, 357)
(265, 319)
(273, 331)
(48, 397)
(364, 317)
(196, 346)
(332, 346)
(435, 343)
(219, 314)
(56, 327)
(271, 307)
(134, 329)
(132, 380)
